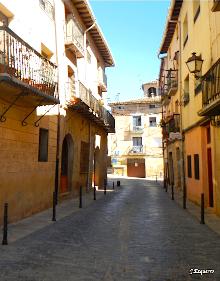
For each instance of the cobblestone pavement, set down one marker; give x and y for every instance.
(136, 233)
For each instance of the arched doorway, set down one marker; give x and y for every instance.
(66, 164)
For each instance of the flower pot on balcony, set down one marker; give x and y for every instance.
(7, 69)
(42, 87)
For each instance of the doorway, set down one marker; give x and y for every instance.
(66, 164)
(210, 181)
(96, 167)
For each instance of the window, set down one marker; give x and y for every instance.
(152, 106)
(152, 92)
(189, 166)
(152, 121)
(48, 7)
(84, 157)
(186, 91)
(196, 9)
(196, 166)
(208, 135)
(137, 141)
(136, 121)
(43, 145)
(185, 31)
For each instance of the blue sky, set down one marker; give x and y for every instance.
(133, 30)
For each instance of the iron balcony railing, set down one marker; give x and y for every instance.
(20, 60)
(172, 82)
(86, 97)
(171, 125)
(136, 149)
(138, 129)
(211, 85)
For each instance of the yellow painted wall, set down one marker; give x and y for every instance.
(26, 184)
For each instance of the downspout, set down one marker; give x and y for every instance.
(183, 180)
(181, 120)
(90, 134)
(56, 182)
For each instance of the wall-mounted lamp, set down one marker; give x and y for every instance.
(194, 64)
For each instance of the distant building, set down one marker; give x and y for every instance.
(136, 145)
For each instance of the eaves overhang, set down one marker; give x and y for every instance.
(85, 12)
(171, 23)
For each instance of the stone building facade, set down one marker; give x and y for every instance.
(54, 127)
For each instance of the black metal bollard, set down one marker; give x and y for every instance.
(118, 183)
(80, 197)
(172, 191)
(166, 185)
(94, 193)
(5, 226)
(156, 178)
(105, 187)
(113, 185)
(54, 206)
(202, 209)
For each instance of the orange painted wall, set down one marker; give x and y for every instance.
(195, 143)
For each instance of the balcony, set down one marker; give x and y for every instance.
(216, 6)
(172, 82)
(89, 106)
(74, 37)
(171, 127)
(102, 79)
(211, 91)
(24, 73)
(137, 129)
(165, 99)
(136, 149)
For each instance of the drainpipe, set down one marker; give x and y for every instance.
(56, 182)
(84, 45)
(183, 179)
(85, 70)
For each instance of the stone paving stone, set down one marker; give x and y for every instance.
(133, 234)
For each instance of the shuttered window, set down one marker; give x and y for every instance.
(196, 166)
(43, 145)
(189, 166)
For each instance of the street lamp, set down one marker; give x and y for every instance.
(194, 64)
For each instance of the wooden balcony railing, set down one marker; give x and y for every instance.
(211, 91)
(19, 60)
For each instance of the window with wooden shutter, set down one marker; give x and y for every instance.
(43, 145)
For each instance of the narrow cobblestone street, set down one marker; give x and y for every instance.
(135, 233)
